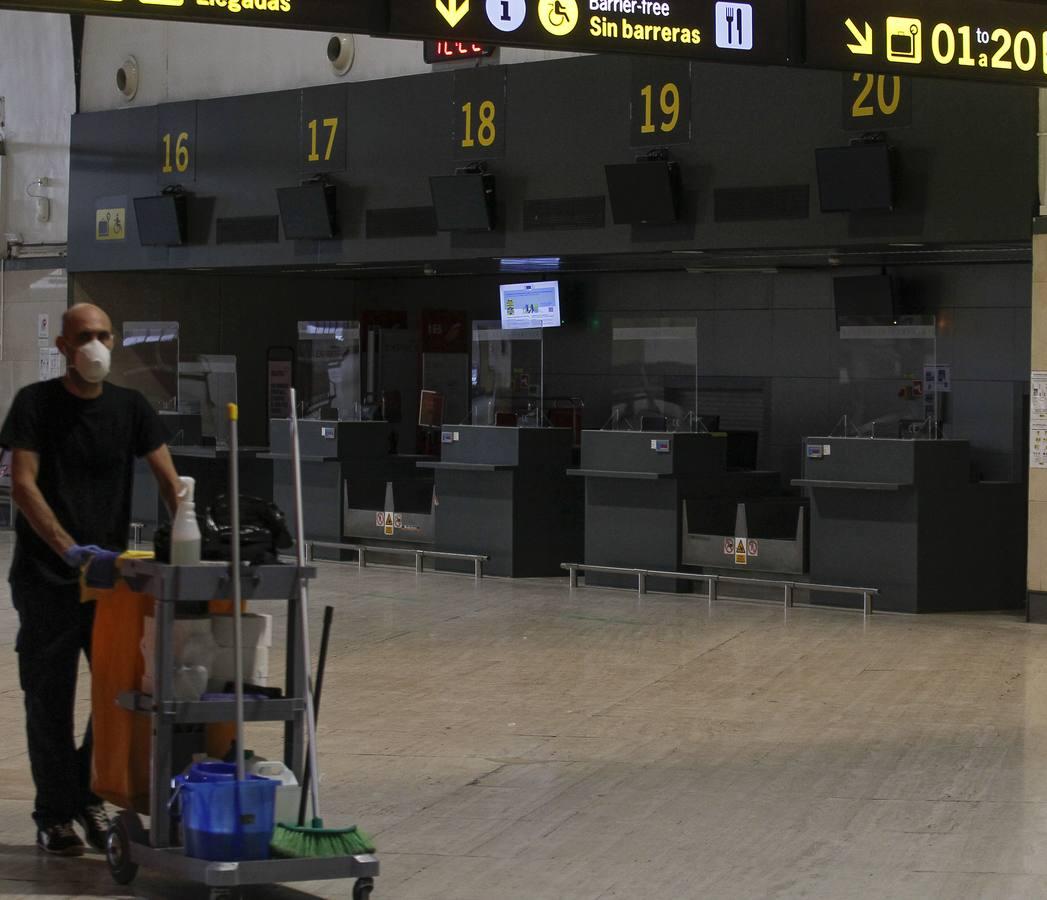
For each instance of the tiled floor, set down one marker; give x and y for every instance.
(512, 741)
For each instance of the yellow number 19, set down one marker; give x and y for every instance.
(668, 100)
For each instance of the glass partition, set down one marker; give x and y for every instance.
(146, 359)
(329, 370)
(655, 367)
(506, 377)
(207, 386)
(890, 384)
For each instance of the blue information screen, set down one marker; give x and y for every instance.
(535, 304)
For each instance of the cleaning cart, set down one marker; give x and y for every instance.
(131, 844)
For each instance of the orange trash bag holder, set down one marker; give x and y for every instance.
(122, 739)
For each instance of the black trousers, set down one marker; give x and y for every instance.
(54, 628)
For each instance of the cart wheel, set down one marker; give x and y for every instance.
(125, 828)
(362, 889)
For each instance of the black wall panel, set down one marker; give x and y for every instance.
(967, 163)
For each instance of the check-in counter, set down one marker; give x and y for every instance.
(342, 462)
(504, 492)
(208, 466)
(636, 484)
(904, 516)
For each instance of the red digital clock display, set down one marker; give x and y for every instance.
(445, 51)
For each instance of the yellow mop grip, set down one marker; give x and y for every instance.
(234, 412)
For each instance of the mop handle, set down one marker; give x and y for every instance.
(238, 637)
(303, 603)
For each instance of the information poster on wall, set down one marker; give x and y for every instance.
(1038, 422)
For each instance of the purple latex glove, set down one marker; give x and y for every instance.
(101, 569)
(80, 554)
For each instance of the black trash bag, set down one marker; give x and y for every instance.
(263, 532)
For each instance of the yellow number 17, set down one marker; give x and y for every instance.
(332, 125)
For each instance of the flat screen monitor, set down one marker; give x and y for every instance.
(644, 193)
(855, 178)
(161, 220)
(308, 212)
(463, 202)
(864, 300)
(533, 304)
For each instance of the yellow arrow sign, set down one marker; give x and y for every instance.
(452, 10)
(864, 47)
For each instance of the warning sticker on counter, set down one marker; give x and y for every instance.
(728, 546)
(741, 557)
(389, 523)
(379, 519)
(752, 547)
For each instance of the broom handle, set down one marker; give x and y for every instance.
(318, 688)
(303, 603)
(238, 636)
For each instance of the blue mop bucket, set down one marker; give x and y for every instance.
(222, 818)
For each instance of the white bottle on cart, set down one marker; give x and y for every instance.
(185, 532)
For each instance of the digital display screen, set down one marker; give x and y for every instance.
(446, 51)
(643, 193)
(161, 220)
(534, 304)
(463, 202)
(854, 178)
(307, 211)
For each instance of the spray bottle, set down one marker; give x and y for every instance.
(185, 532)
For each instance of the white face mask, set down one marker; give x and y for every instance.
(92, 361)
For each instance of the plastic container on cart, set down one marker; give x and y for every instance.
(226, 819)
(288, 791)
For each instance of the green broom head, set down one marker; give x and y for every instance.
(313, 840)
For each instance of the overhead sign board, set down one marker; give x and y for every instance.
(980, 40)
(329, 15)
(754, 31)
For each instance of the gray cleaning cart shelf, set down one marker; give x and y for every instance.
(130, 843)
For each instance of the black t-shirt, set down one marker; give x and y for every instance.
(87, 450)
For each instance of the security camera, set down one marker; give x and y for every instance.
(341, 48)
(127, 78)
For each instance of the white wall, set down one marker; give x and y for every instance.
(36, 82)
(195, 62)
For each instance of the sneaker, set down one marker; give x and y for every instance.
(95, 824)
(60, 840)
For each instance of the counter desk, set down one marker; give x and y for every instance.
(905, 517)
(635, 487)
(333, 455)
(208, 466)
(504, 492)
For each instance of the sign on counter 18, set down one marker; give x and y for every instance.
(990, 40)
(756, 31)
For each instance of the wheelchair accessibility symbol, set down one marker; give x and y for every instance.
(558, 16)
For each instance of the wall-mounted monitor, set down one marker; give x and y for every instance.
(533, 304)
(644, 193)
(162, 220)
(463, 202)
(864, 300)
(308, 212)
(855, 178)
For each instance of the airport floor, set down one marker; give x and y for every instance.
(514, 741)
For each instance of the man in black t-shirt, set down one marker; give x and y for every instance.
(74, 441)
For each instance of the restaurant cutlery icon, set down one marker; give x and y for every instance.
(734, 26)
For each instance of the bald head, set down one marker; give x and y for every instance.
(87, 318)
